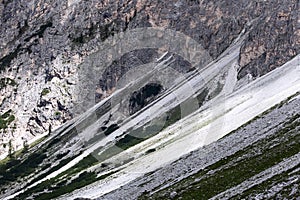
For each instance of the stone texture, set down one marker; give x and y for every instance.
(43, 41)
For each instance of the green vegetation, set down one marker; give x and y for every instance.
(149, 130)
(173, 116)
(61, 155)
(4, 82)
(45, 92)
(109, 153)
(60, 184)
(25, 146)
(53, 169)
(86, 162)
(83, 179)
(146, 131)
(56, 187)
(6, 119)
(111, 129)
(57, 114)
(53, 142)
(13, 168)
(24, 164)
(142, 133)
(12, 154)
(234, 169)
(19, 164)
(277, 179)
(37, 142)
(129, 141)
(10, 149)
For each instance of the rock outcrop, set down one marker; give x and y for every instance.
(43, 41)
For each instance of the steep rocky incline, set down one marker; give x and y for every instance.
(259, 160)
(43, 41)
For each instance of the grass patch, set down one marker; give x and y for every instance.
(143, 133)
(173, 116)
(129, 141)
(265, 186)
(13, 169)
(235, 169)
(38, 141)
(136, 136)
(6, 119)
(4, 82)
(53, 169)
(85, 163)
(45, 92)
(53, 142)
(83, 179)
(54, 188)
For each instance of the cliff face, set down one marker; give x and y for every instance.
(43, 42)
(185, 109)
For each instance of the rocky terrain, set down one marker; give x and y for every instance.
(93, 89)
(231, 146)
(43, 42)
(244, 169)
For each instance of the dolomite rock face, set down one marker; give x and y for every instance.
(43, 42)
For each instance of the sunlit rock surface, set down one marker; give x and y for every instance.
(150, 108)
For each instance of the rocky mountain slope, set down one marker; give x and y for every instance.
(117, 93)
(43, 42)
(101, 155)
